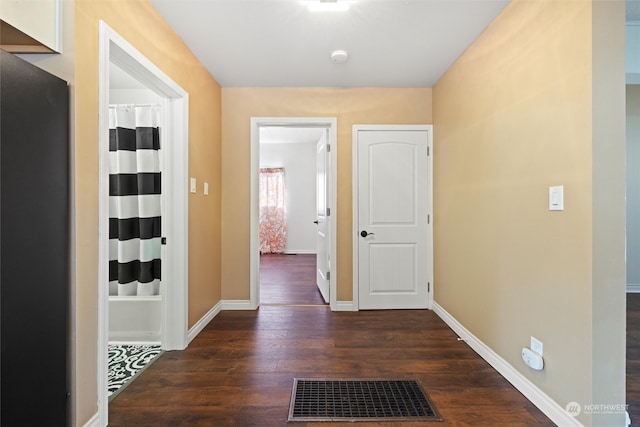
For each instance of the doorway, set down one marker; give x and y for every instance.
(271, 136)
(289, 222)
(116, 53)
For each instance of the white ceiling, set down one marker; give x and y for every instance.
(280, 43)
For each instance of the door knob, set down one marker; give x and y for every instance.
(315, 222)
(364, 233)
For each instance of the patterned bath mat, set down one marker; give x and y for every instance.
(126, 362)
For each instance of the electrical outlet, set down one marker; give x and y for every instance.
(192, 185)
(532, 359)
(536, 345)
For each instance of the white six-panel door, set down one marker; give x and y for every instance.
(393, 202)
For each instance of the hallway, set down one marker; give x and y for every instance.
(239, 371)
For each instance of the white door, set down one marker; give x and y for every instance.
(322, 245)
(393, 225)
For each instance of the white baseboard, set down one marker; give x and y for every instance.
(540, 399)
(134, 337)
(301, 252)
(633, 288)
(93, 421)
(237, 304)
(134, 342)
(344, 306)
(204, 321)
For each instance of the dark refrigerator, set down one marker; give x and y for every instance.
(34, 251)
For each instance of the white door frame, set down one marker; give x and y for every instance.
(355, 178)
(254, 228)
(174, 284)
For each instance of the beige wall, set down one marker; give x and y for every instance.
(350, 106)
(142, 26)
(513, 116)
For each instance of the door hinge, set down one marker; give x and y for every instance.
(328, 211)
(428, 219)
(328, 275)
(328, 148)
(428, 151)
(428, 286)
(163, 241)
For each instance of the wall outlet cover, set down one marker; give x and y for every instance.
(532, 359)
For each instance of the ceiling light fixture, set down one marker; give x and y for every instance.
(328, 5)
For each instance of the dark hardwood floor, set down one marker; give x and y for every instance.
(288, 280)
(240, 369)
(633, 357)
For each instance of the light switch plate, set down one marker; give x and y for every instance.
(556, 198)
(193, 185)
(206, 188)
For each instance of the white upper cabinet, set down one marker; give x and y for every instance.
(30, 26)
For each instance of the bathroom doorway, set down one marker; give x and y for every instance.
(117, 55)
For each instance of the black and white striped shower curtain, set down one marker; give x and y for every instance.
(134, 200)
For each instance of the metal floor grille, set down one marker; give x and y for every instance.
(359, 400)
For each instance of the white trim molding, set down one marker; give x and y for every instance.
(539, 398)
(203, 322)
(93, 421)
(345, 306)
(633, 288)
(330, 123)
(237, 304)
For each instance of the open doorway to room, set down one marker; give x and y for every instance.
(293, 194)
(134, 308)
(142, 180)
(288, 214)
